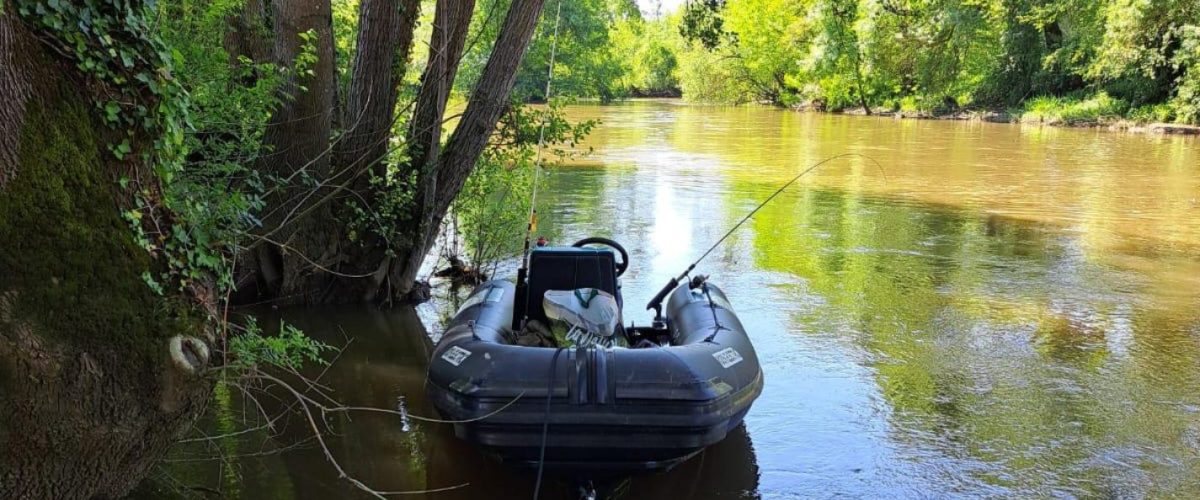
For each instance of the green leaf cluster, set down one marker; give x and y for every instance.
(289, 348)
(186, 212)
(176, 102)
(490, 213)
(940, 56)
(914, 56)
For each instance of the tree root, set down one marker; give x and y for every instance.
(459, 273)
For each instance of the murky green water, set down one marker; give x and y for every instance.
(1003, 311)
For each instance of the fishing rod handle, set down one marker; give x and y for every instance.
(656, 302)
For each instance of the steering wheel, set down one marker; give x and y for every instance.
(596, 240)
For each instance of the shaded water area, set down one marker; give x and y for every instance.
(1003, 311)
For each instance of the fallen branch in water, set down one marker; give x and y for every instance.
(314, 402)
(264, 453)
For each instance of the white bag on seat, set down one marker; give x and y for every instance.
(583, 317)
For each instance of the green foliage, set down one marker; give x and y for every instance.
(707, 76)
(390, 218)
(289, 348)
(110, 41)
(940, 55)
(1072, 111)
(345, 36)
(491, 211)
(605, 50)
(1152, 113)
(655, 69)
(702, 22)
(652, 65)
(769, 35)
(1186, 61)
(218, 192)
(585, 63)
(836, 59)
(185, 214)
(197, 208)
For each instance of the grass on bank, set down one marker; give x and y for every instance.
(1094, 109)
(1072, 110)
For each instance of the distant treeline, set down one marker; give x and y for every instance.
(1054, 60)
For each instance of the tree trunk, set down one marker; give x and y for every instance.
(90, 398)
(425, 131)
(385, 36)
(312, 258)
(450, 25)
(858, 79)
(299, 132)
(298, 244)
(862, 95)
(488, 101)
(249, 34)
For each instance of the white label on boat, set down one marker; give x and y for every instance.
(455, 355)
(727, 357)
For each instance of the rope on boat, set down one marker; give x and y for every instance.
(537, 486)
(537, 170)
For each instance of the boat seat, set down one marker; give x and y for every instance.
(568, 268)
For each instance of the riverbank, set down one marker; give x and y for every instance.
(1115, 125)
(1096, 111)
(1031, 114)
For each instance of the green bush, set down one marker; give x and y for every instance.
(1186, 102)
(1098, 108)
(1152, 113)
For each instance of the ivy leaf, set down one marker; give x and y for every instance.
(112, 111)
(122, 149)
(152, 283)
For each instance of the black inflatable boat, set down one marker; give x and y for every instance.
(688, 379)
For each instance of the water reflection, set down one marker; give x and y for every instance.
(383, 365)
(982, 320)
(1011, 312)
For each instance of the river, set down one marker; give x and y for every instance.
(971, 310)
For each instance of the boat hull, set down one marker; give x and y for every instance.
(609, 411)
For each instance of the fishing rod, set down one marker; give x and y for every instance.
(656, 302)
(531, 226)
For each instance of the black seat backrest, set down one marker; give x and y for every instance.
(568, 268)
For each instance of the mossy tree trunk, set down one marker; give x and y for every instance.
(90, 397)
